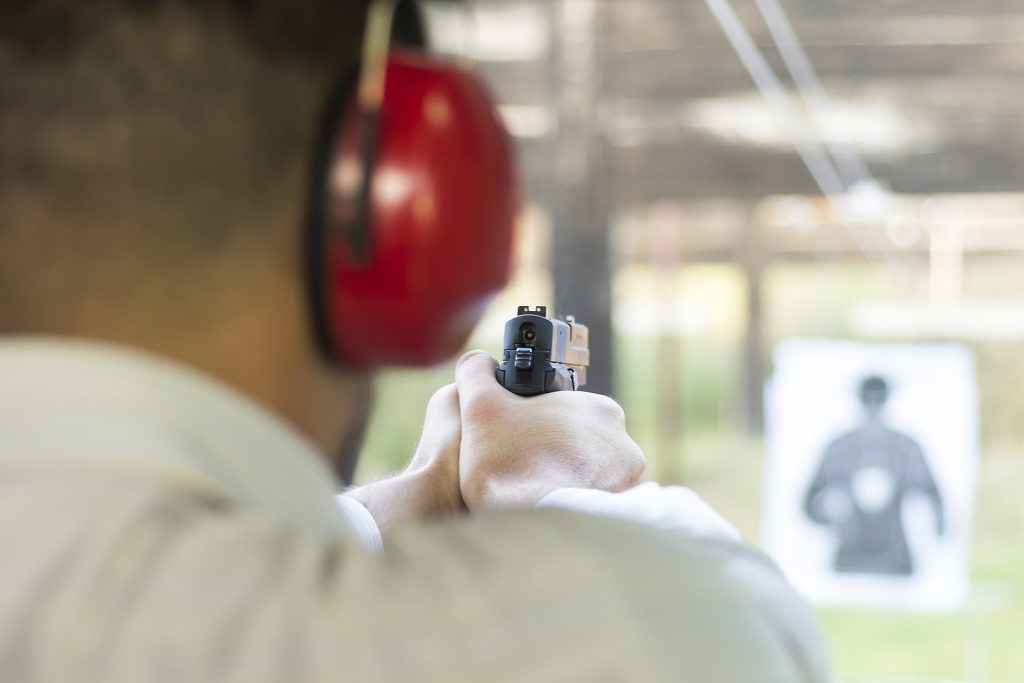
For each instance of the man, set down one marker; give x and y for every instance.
(166, 507)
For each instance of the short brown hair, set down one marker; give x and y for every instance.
(144, 143)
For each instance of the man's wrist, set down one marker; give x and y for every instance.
(414, 495)
(496, 492)
(436, 491)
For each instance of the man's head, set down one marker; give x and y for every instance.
(874, 392)
(153, 180)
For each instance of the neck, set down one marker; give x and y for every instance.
(263, 349)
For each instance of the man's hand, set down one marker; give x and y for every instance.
(429, 487)
(515, 450)
(504, 450)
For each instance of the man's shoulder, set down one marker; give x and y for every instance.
(578, 549)
(500, 596)
(674, 600)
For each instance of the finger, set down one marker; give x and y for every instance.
(442, 426)
(474, 377)
(442, 421)
(443, 405)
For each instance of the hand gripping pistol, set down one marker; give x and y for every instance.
(543, 354)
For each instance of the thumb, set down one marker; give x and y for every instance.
(474, 376)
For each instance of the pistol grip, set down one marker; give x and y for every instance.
(540, 377)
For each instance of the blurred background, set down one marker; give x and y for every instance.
(705, 180)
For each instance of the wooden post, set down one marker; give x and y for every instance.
(581, 258)
(752, 258)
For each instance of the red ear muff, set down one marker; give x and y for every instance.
(408, 268)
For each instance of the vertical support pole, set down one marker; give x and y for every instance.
(581, 259)
(752, 259)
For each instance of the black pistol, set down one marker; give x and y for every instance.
(543, 354)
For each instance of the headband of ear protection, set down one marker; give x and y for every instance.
(414, 203)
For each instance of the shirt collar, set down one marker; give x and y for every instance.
(74, 404)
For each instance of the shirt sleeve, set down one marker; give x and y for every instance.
(361, 524)
(195, 589)
(767, 600)
(667, 508)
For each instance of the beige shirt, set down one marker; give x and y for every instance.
(156, 526)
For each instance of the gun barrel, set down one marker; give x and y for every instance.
(577, 345)
(543, 354)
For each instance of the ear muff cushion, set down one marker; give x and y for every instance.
(315, 241)
(444, 197)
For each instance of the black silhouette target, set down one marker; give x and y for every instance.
(871, 469)
(859, 488)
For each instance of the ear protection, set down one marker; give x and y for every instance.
(414, 201)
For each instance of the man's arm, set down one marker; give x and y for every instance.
(428, 488)
(130, 581)
(919, 478)
(483, 447)
(825, 501)
(701, 596)
(540, 596)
